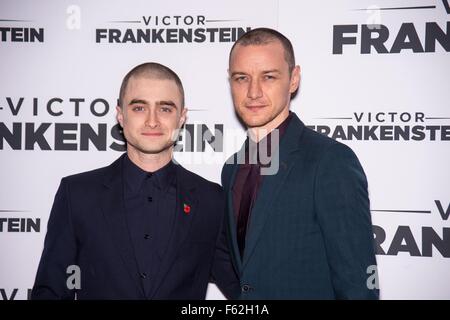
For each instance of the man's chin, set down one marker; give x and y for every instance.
(254, 121)
(153, 149)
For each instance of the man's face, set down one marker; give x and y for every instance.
(261, 85)
(151, 114)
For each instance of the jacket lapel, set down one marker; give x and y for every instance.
(185, 212)
(272, 185)
(113, 206)
(231, 218)
(270, 188)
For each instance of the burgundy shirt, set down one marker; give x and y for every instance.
(243, 170)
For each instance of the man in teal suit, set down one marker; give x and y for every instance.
(298, 216)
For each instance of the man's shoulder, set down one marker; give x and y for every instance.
(329, 153)
(91, 176)
(323, 144)
(313, 137)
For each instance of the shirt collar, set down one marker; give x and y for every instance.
(135, 176)
(252, 148)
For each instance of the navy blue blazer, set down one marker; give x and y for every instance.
(87, 228)
(310, 231)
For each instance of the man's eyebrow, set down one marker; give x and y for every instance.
(239, 73)
(138, 101)
(166, 103)
(272, 71)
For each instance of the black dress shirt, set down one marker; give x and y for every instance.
(150, 204)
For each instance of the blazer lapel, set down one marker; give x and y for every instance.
(231, 218)
(272, 185)
(112, 203)
(270, 188)
(185, 212)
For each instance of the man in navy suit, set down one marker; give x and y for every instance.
(143, 227)
(298, 209)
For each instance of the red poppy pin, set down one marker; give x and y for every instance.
(186, 208)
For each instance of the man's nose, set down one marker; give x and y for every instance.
(152, 118)
(255, 90)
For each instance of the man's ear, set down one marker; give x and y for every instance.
(183, 117)
(295, 79)
(119, 115)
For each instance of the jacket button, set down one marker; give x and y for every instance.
(143, 275)
(246, 288)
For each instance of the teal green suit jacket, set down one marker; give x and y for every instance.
(310, 231)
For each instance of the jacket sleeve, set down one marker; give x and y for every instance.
(223, 273)
(59, 251)
(343, 212)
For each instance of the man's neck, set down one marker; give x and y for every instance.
(259, 133)
(150, 162)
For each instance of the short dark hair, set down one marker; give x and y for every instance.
(262, 36)
(151, 70)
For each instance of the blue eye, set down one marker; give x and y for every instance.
(166, 109)
(240, 78)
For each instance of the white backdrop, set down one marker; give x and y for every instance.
(72, 69)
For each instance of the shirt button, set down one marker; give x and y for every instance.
(149, 199)
(146, 236)
(143, 275)
(246, 288)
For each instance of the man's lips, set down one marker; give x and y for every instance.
(152, 134)
(255, 107)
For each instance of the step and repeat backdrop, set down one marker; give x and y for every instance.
(375, 76)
